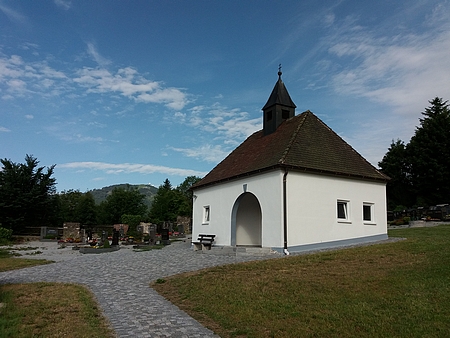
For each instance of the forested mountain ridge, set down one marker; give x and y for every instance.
(147, 190)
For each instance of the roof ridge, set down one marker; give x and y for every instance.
(293, 137)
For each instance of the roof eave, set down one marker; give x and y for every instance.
(294, 168)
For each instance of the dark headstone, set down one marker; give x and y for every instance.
(165, 236)
(152, 236)
(115, 239)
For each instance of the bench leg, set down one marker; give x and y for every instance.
(198, 246)
(206, 246)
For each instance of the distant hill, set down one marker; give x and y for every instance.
(147, 190)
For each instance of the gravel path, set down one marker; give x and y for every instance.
(120, 282)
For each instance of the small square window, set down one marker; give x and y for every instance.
(368, 212)
(342, 210)
(206, 214)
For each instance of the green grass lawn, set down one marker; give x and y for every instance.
(397, 289)
(47, 309)
(50, 310)
(9, 262)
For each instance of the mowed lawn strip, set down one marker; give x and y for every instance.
(50, 310)
(47, 309)
(397, 289)
(9, 262)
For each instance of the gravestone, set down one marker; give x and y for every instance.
(115, 239)
(152, 234)
(165, 236)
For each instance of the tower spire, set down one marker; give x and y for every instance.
(279, 106)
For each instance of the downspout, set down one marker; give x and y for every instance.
(285, 250)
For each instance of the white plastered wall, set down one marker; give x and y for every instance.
(312, 208)
(220, 198)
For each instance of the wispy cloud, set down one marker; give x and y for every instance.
(403, 71)
(92, 51)
(64, 4)
(208, 153)
(124, 168)
(12, 14)
(222, 129)
(127, 82)
(230, 125)
(4, 130)
(19, 78)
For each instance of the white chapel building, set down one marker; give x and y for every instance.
(295, 185)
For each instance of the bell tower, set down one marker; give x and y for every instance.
(279, 107)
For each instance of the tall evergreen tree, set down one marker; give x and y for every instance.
(185, 190)
(396, 166)
(165, 204)
(27, 194)
(420, 170)
(429, 155)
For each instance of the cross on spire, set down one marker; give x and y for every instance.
(279, 70)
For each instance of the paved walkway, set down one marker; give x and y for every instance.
(120, 282)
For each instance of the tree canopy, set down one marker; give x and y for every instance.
(75, 206)
(170, 203)
(26, 194)
(28, 198)
(420, 170)
(121, 202)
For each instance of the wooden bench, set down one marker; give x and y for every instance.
(204, 242)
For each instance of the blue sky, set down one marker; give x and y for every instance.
(140, 91)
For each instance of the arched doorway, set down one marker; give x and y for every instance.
(246, 221)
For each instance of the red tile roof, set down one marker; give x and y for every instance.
(302, 143)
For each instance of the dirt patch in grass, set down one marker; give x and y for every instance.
(50, 310)
(397, 289)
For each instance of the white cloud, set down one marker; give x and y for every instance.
(227, 127)
(110, 168)
(403, 71)
(92, 51)
(231, 125)
(64, 4)
(29, 117)
(130, 84)
(208, 153)
(5, 130)
(13, 15)
(19, 78)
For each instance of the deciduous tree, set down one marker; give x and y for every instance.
(120, 202)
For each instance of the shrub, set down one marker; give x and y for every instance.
(106, 244)
(5, 235)
(406, 220)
